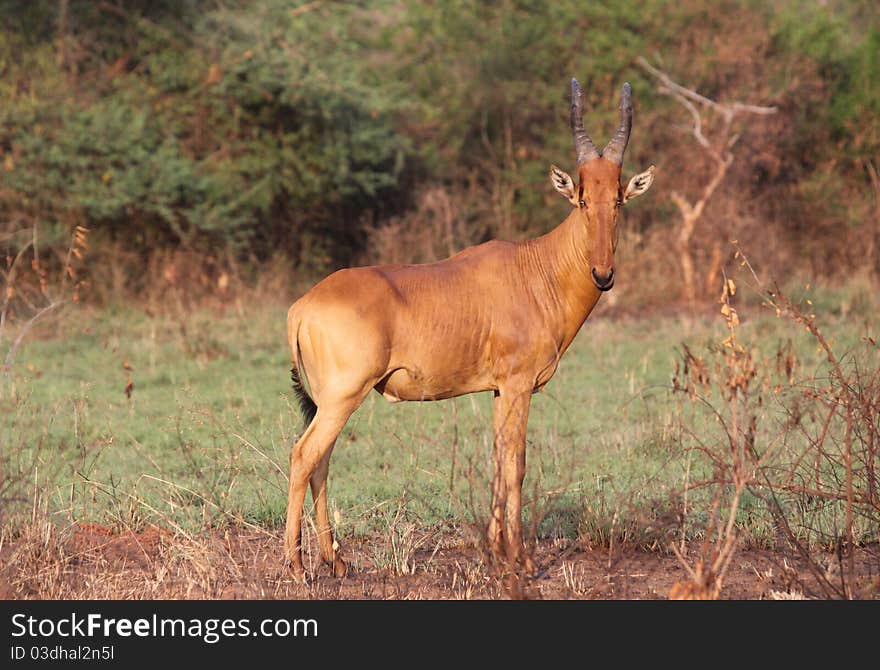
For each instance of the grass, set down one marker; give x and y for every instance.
(204, 437)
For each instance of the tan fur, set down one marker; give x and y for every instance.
(495, 317)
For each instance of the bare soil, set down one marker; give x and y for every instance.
(94, 561)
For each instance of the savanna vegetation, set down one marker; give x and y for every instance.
(174, 174)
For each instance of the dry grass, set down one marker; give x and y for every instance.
(41, 559)
(598, 488)
(44, 561)
(820, 440)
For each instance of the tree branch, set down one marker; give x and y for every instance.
(720, 151)
(728, 110)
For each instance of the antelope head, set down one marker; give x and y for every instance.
(599, 194)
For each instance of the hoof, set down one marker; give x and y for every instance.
(297, 573)
(339, 568)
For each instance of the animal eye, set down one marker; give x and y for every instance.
(582, 203)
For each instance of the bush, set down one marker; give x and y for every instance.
(260, 126)
(254, 129)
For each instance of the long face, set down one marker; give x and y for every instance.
(599, 194)
(599, 200)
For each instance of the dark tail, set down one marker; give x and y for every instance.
(306, 404)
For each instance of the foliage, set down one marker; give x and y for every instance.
(230, 126)
(258, 126)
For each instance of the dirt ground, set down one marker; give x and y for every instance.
(95, 561)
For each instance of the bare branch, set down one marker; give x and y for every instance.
(674, 87)
(697, 130)
(728, 110)
(719, 148)
(681, 203)
(738, 107)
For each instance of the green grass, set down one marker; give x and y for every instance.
(204, 438)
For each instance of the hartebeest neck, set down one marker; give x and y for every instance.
(559, 262)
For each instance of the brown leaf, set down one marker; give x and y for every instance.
(129, 388)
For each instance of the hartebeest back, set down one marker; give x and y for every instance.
(494, 317)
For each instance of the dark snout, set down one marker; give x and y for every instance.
(603, 278)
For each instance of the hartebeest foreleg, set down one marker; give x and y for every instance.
(511, 416)
(495, 534)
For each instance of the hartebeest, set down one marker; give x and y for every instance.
(494, 317)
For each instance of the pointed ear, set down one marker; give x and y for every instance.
(562, 182)
(639, 184)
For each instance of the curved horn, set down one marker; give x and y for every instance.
(615, 148)
(583, 145)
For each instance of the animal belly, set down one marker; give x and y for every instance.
(409, 385)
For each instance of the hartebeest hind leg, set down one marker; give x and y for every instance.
(505, 526)
(318, 482)
(309, 461)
